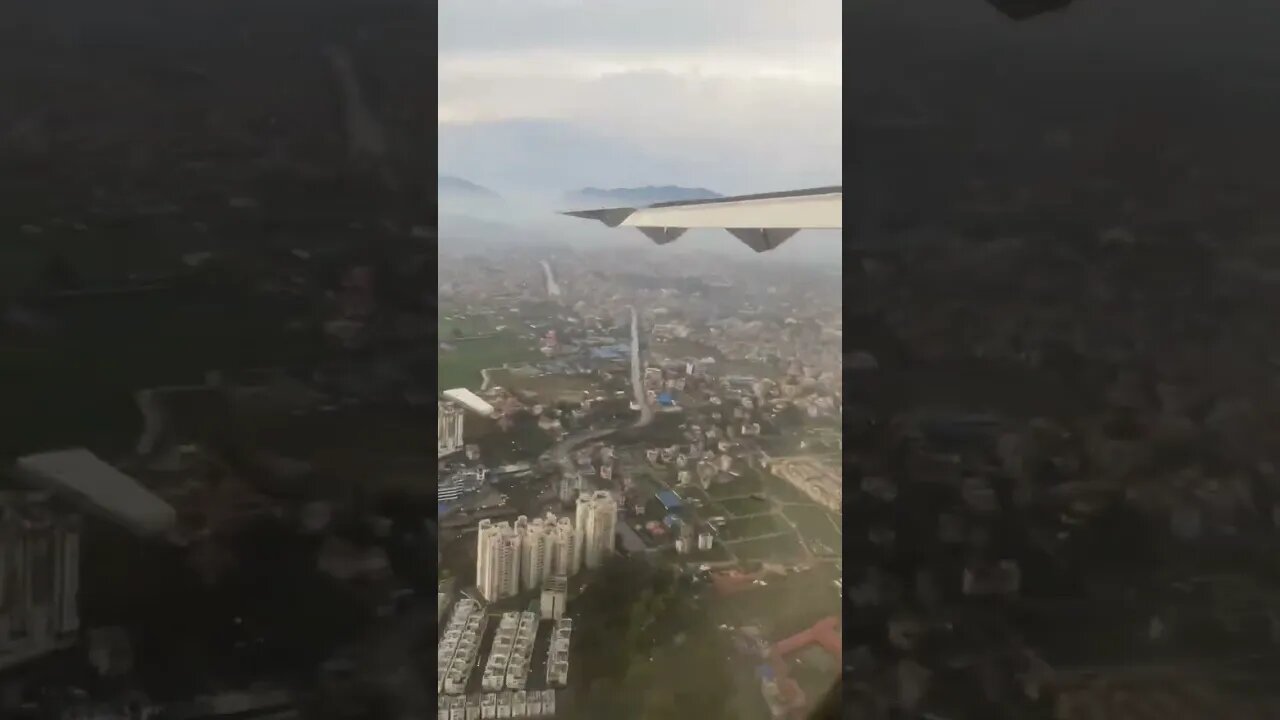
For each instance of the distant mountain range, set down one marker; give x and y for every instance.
(450, 186)
(547, 156)
(639, 196)
(468, 209)
(460, 195)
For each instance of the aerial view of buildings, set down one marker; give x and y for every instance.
(715, 465)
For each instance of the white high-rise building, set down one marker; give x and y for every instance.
(497, 560)
(538, 552)
(513, 558)
(487, 536)
(521, 529)
(597, 521)
(449, 420)
(564, 553)
(583, 512)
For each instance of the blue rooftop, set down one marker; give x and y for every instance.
(610, 352)
(669, 500)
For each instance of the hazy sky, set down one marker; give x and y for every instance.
(749, 89)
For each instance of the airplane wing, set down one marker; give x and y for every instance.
(762, 222)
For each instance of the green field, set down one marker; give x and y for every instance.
(750, 527)
(784, 548)
(548, 388)
(816, 524)
(743, 506)
(745, 485)
(487, 347)
(461, 367)
(786, 605)
(783, 491)
(647, 485)
(468, 325)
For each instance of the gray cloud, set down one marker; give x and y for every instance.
(744, 96)
(622, 26)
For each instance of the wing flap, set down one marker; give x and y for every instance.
(662, 235)
(762, 239)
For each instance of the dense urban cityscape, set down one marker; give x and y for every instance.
(670, 420)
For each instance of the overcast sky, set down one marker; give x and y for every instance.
(751, 89)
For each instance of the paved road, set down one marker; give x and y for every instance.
(752, 515)
(757, 537)
(553, 288)
(560, 451)
(637, 379)
(631, 540)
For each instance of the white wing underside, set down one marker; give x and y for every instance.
(762, 222)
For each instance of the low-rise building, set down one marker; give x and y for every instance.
(495, 669)
(508, 663)
(459, 645)
(555, 593)
(558, 653)
(518, 667)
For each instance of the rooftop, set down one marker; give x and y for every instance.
(470, 400)
(87, 479)
(669, 499)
